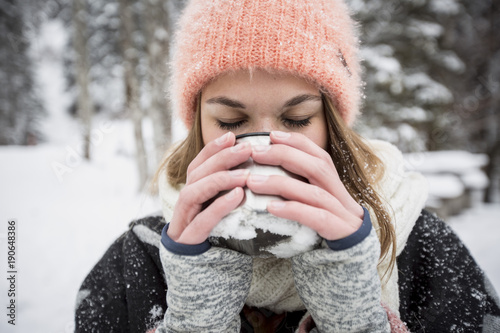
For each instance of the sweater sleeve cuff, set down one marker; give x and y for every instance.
(355, 238)
(182, 249)
(307, 324)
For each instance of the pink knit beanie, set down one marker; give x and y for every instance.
(313, 39)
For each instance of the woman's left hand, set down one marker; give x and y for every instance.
(323, 204)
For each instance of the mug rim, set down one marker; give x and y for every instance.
(239, 136)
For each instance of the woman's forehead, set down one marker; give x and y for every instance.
(257, 80)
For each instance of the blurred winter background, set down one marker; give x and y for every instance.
(84, 119)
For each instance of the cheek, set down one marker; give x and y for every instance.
(318, 133)
(321, 139)
(209, 130)
(206, 130)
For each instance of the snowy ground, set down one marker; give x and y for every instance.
(479, 229)
(64, 223)
(64, 226)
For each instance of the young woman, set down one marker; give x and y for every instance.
(289, 68)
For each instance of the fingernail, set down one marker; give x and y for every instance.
(258, 178)
(261, 149)
(281, 135)
(222, 139)
(239, 147)
(238, 172)
(231, 195)
(276, 204)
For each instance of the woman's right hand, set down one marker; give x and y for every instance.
(207, 175)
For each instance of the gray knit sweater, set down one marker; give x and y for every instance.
(339, 285)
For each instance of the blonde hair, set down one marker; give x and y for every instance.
(359, 168)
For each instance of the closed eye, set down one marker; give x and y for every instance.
(292, 123)
(230, 126)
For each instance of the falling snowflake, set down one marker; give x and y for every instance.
(156, 312)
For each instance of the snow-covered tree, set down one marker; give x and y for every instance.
(131, 54)
(159, 19)
(106, 57)
(476, 112)
(85, 105)
(405, 60)
(20, 107)
(432, 72)
(158, 34)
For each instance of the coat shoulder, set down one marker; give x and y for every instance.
(441, 286)
(125, 291)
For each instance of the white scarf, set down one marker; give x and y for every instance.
(272, 282)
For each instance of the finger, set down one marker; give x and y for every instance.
(193, 196)
(329, 226)
(214, 146)
(325, 171)
(222, 160)
(208, 187)
(202, 225)
(296, 190)
(300, 142)
(316, 170)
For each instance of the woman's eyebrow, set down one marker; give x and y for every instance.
(300, 99)
(226, 101)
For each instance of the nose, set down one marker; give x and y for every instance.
(265, 125)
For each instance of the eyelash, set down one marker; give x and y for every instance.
(230, 126)
(288, 122)
(297, 123)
